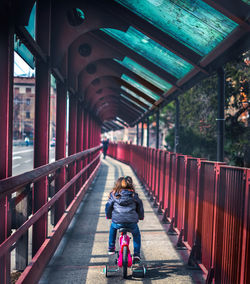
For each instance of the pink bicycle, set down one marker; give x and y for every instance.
(124, 258)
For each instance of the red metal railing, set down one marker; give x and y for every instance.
(207, 205)
(20, 192)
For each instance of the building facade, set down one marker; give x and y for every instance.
(24, 108)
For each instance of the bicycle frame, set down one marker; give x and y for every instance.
(124, 241)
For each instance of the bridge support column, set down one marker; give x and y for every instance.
(42, 109)
(6, 109)
(177, 125)
(60, 145)
(221, 117)
(157, 128)
(148, 131)
(86, 133)
(90, 133)
(137, 134)
(142, 133)
(80, 116)
(72, 142)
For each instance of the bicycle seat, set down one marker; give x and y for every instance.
(125, 230)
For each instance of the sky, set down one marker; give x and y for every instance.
(21, 68)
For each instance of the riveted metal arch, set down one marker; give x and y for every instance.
(107, 114)
(115, 66)
(108, 67)
(129, 114)
(109, 99)
(105, 82)
(111, 83)
(107, 94)
(114, 82)
(64, 34)
(85, 79)
(76, 62)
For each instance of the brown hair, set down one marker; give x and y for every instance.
(123, 183)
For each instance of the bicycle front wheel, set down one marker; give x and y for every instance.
(125, 262)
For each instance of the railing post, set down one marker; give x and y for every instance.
(220, 118)
(60, 145)
(142, 133)
(148, 131)
(41, 141)
(177, 116)
(157, 128)
(6, 109)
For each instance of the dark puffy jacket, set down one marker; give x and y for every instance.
(127, 208)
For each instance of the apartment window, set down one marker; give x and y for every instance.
(27, 102)
(27, 114)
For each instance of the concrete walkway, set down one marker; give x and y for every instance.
(82, 253)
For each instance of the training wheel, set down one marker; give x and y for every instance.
(139, 271)
(105, 270)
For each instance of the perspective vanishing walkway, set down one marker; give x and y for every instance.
(82, 253)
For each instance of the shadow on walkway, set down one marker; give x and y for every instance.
(82, 253)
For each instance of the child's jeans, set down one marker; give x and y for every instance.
(135, 232)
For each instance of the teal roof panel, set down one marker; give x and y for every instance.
(135, 103)
(193, 23)
(151, 50)
(145, 73)
(140, 87)
(136, 96)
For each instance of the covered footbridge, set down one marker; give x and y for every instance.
(117, 62)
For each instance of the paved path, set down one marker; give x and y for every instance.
(82, 253)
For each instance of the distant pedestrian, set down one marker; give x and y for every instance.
(105, 144)
(27, 141)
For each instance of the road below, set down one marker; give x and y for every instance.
(23, 159)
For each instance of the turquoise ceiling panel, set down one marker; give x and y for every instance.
(145, 73)
(24, 52)
(133, 102)
(140, 87)
(136, 96)
(151, 50)
(19, 47)
(192, 22)
(31, 27)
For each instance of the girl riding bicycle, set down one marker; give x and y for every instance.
(125, 208)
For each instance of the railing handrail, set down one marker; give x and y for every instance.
(6, 245)
(12, 184)
(201, 200)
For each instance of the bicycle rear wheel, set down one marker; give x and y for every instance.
(125, 262)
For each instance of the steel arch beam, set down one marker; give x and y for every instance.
(109, 67)
(114, 83)
(64, 34)
(76, 62)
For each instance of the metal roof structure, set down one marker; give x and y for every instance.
(124, 59)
